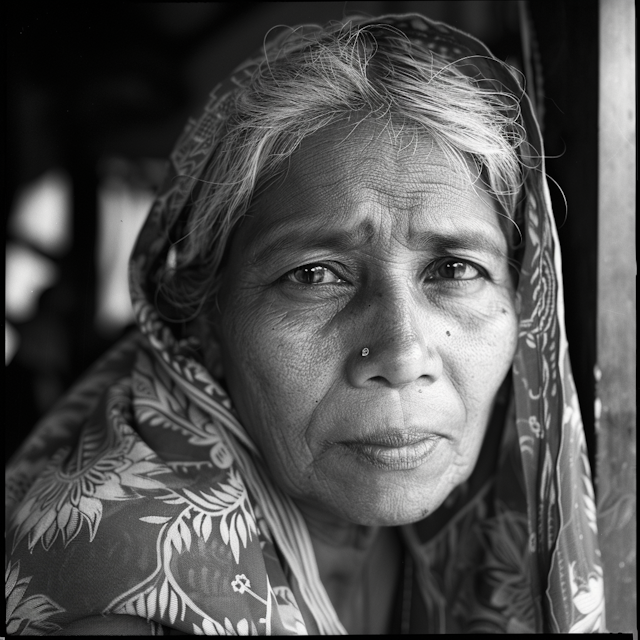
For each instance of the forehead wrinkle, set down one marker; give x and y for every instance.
(447, 237)
(364, 216)
(365, 193)
(292, 232)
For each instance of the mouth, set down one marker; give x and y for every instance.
(394, 451)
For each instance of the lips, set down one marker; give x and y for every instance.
(395, 450)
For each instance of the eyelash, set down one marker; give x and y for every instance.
(431, 269)
(442, 262)
(310, 267)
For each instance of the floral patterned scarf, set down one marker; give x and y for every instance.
(141, 493)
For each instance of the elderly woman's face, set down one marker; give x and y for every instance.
(370, 245)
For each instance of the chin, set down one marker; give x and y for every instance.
(389, 510)
(369, 490)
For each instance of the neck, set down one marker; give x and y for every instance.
(326, 528)
(358, 567)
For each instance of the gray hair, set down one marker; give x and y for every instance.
(312, 80)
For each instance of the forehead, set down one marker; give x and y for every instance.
(377, 180)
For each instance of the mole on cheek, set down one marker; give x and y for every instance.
(448, 333)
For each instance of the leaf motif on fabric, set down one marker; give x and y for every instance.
(209, 628)
(163, 597)
(185, 534)
(155, 519)
(243, 627)
(167, 406)
(224, 531)
(197, 523)
(58, 428)
(170, 397)
(589, 504)
(138, 475)
(206, 527)
(547, 474)
(151, 603)
(526, 445)
(154, 418)
(70, 491)
(197, 418)
(242, 529)
(506, 540)
(173, 608)
(175, 538)
(289, 611)
(233, 538)
(173, 499)
(27, 616)
(230, 502)
(208, 383)
(587, 594)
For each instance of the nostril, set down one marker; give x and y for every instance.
(391, 381)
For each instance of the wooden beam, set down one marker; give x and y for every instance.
(616, 331)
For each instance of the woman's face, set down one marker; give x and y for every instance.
(369, 242)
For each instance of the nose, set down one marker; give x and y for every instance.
(400, 343)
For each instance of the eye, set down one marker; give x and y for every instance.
(453, 269)
(312, 274)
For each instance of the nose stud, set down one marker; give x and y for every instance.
(364, 352)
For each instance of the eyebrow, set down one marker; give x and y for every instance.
(279, 239)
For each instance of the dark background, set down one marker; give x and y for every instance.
(97, 90)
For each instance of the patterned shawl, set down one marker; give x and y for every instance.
(142, 494)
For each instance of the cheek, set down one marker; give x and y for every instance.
(478, 363)
(276, 368)
(480, 349)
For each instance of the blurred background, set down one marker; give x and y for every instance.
(97, 93)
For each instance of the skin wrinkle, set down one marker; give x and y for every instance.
(371, 183)
(364, 236)
(292, 354)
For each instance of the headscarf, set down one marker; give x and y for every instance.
(142, 494)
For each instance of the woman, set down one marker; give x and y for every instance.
(349, 405)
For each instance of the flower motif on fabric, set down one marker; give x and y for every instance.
(241, 584)
(70, 492)
(28, 616)
(534, 425)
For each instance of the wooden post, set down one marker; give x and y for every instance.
(616, 331)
